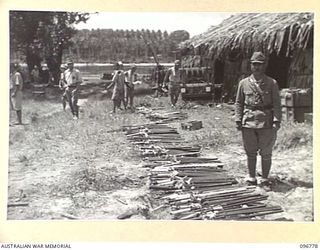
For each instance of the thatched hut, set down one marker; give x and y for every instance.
(285, 38)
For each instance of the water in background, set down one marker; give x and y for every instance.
(99, 68)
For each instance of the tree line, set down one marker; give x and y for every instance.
(107, 45)
(38, 37)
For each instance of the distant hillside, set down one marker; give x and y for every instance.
(107, 45)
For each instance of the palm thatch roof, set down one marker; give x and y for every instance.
(269, 32)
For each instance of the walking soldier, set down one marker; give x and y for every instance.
(72, 79)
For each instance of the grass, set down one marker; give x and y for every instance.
(94, 157)
(89, 138)
(293, 135)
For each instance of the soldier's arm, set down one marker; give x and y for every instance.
(62, 82)
(115, 75)
(78, 78)
(167, 75)
(239, 104)
(15, 88)
(276, 103)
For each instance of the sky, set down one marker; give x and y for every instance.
(193, 22)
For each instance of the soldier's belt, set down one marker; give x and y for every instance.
(262, 108)
(72, 86)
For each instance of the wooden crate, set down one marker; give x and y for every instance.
(192, 125)
(296, 97)
(295, 114)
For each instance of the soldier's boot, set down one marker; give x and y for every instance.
(75, 111)
(172, 100)
(19, 116)
(251, 164)
(266, 166)
(64, 104)
(71, 109)
(125, 103)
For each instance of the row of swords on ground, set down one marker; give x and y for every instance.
(194, 187)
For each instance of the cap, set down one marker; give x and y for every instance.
(119, 63)
(258, 57)
(177, 62)
(63, 66)
(133, 66)
(69, 61)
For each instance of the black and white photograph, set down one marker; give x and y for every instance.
(161, 116)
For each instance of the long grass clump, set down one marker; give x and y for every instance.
(293, 135)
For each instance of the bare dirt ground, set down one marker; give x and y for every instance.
(65, 169)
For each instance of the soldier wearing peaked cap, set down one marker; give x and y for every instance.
(258, 117)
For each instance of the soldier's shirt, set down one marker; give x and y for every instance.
(118, 80)
(72, 77)
(174, 76)
(16, 85)
(130, 78)
(16, 81)
(258, 103)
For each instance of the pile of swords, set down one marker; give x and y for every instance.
(159, 140)
(195, 188)
(153, 134)
(162, 115)
(227, 203)
(189, 175)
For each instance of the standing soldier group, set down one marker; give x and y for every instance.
(123, 83)
(257, 105)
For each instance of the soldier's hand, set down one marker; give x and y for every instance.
(238, 126)
(276, 125)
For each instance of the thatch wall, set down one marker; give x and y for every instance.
(278, 35)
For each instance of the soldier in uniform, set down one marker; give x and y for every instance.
(62, 86)
(72, 80)
(129, 88)
(16, 85)
(258, 116)
(118, 84)
(35, 75)
(159, 74)
(174, 78)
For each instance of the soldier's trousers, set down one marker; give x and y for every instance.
(128, 97)
(72, 97)
(259, 140)
(174, 92)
